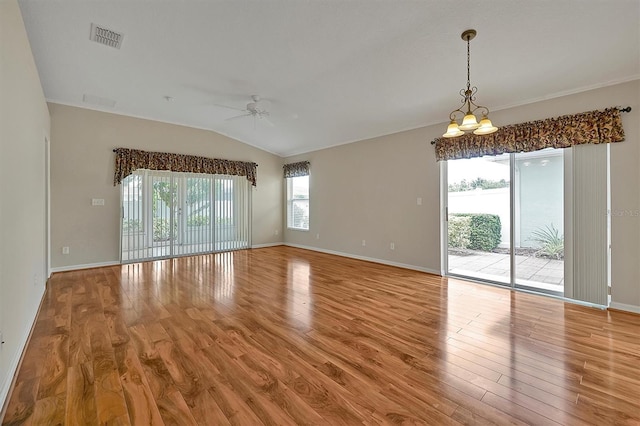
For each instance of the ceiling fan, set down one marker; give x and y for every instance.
(257, 109)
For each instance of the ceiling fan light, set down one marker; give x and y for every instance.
(486, 127)
(453, 130)
(469, 122)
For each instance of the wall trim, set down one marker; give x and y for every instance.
(85, 266)
(624, 307)
(255, 246)
(16, 363)
(368, 259)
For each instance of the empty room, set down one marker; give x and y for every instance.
(341, 212)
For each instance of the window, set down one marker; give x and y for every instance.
(298, 202)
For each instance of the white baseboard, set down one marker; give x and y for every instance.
(368, 259)
(624, 307)
(267, 245)
(85, 266)
(17, 359)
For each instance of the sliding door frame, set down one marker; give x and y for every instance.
(512, 284)
(240, 210)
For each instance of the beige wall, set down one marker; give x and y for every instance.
(82, 166)
(24, 124)
(368, 190)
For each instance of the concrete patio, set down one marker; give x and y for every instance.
(534, 272)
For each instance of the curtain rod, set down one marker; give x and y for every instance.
(621, 109)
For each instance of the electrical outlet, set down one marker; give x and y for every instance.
(392, 246)
(65, 250)
(364, 243)
(97, 201)
(317, 236)
(419, 201)
(276, 232)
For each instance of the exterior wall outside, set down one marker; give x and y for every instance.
(541, 198)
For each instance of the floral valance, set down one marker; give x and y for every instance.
(129, 160)
(561, 132)
(296, 169)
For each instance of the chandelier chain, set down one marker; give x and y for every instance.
(468, 66)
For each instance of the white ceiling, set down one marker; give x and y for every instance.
(333, 71)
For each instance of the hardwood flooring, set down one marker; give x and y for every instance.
(288, 336)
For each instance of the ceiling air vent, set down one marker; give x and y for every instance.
(105, 36)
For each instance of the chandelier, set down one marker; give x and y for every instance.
(469, 121)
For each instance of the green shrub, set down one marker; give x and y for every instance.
(224, 221)
(550, 240)
(459, 231)
(131, 225)
(198, 220)
(484, 230)
(161, 229)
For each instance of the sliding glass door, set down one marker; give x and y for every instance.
(539, 220)
(166, 214)
(479, 218)
(505, 221)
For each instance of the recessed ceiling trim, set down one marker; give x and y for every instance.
(103, 35)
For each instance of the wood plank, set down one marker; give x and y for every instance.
(81, 401)
(54, 375)
(174, 410)
(111, 405)
(49, 411)
(141, 405)
(22, 403)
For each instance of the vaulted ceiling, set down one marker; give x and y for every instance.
(330, 72)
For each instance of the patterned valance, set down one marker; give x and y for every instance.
(129, 160)
(561, 132)
(296, 169)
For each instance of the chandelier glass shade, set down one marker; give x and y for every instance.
(469, 108)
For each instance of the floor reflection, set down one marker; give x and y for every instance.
(224, 282)
(299, 298)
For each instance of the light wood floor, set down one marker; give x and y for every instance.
(288, 336)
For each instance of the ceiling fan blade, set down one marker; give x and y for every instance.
(266, 120)
(238, 116)
(230, 107)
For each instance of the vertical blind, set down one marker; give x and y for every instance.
(590, 223)
(168, 214)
